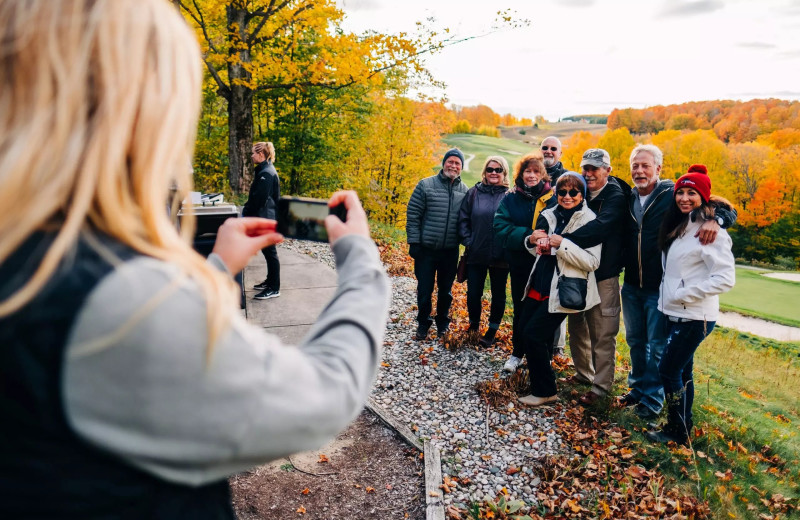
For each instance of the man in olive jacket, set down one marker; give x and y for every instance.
(432, 231)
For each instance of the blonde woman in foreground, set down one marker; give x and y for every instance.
(130, 387)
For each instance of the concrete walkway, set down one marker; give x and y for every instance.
(306, 286)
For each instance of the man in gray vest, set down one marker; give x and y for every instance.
(431, 228)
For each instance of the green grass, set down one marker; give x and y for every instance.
(747, 411)
(763, 297)
(482, 147)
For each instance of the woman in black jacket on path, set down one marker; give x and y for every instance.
(484, 251)
(513, 222)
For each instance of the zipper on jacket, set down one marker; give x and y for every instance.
(447, 219)
(641, 227)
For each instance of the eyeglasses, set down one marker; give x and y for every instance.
(572, 193)
(551, 148)
(494, 170)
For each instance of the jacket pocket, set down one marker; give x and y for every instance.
(670, 287)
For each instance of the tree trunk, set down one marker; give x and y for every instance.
(240, 106)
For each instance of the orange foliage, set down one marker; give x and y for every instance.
(574, 147)
(732, 121)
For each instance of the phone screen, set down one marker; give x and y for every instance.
(304, 218)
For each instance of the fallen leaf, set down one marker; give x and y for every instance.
(388, 486)
(306, 491)
(322, 458)
(370, 489)
(725, 477)
(301, 510)
(385, 364)
(433, 493)
(573, 505)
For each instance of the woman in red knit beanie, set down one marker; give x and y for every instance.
(694, 276)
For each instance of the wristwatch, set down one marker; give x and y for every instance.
(719, 221)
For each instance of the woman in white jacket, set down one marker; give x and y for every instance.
(542, 311)
(694, 276)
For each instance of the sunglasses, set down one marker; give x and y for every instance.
(551, 148)
(572, 193)
(494, 170)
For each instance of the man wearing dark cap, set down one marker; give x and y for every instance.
(593, 333)
(431, 228)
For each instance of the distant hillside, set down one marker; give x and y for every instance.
(732, 121)
(595, 119)
(562, 130)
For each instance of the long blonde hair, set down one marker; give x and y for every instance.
(99, 101)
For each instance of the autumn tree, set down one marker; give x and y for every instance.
(252, 46)
(574, 146)
(618, 143)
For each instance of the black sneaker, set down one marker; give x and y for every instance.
(664, 437)
(266, 294)
(488, 338)
(261, 286)
(645, 413)
(627, 400)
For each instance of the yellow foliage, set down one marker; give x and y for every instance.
(574, 147)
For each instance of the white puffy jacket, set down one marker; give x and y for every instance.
(695, 274)
(573, 261)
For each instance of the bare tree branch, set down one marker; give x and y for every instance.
(199, 20)
(257, 41)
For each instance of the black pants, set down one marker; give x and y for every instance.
(539, 326)
(476, 278)
(439, 266)
(273, 267)
(519, 279)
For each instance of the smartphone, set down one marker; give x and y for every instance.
(303, 218)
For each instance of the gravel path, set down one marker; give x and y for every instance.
(432, 390)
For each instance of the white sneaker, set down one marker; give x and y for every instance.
(533, 400)
(512, 364)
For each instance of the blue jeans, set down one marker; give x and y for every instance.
(646, 333)
(675, 369)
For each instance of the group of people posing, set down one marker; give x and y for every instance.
(564, 238)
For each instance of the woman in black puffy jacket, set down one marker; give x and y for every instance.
(484, 251)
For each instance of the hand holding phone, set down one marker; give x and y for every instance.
(355, 221)
(304, 218)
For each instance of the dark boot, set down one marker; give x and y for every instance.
(422, 331)
(472, 334)
(442, 327)
(677, 428)
(488, 338)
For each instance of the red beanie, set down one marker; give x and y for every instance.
(697, 179)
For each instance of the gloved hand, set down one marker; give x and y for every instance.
(414, 250)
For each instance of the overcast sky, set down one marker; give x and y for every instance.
(591, 56)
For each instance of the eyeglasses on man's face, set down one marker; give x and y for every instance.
(494, 170)
(551, 148)
(572, 193)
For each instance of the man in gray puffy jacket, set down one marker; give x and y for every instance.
(432, 231)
